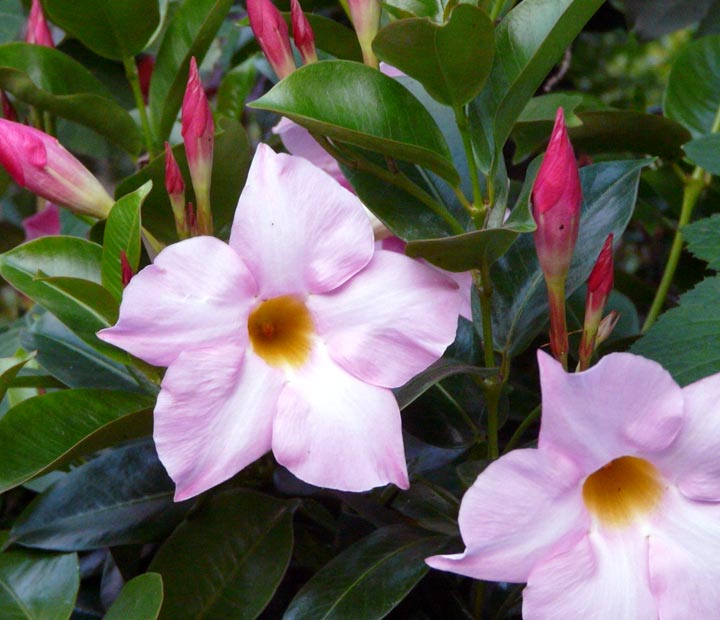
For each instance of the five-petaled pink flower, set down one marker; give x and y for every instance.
(616, 514)
(288, 338)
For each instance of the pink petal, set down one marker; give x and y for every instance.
(683, 565)
(603, 577)
(214, 415)
(523, 508)
(392, 320)
(693, 460)
(625, 405)
(298, 231)
(43, 223)
(197, 293)
(335, 431)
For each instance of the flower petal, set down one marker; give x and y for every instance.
(214, 416)
(625, 405)
(297, 230)
(392, 320)
(197, 292)
(693, 459)
(683, 565)
(333, 430)
(603, 577)
(524, 507)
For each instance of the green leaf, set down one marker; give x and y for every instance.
(9, 368)
(231, 161)
(122, 234)
(52, 81)
(140, 599)
(686, 339)
(332, 37)
(452, 61)
(12, 20)
(362, 107)
(43, 432)
(239, 545)
(429, 508)
(520, 306)
(415, 8)
(703, 239)
(122, 497)
(651, 20)
(692, 96)
(37, 587)
(705, 152)
(234, 89)
(114, 29)
(373, 575)
(528, 43)
(190, 32)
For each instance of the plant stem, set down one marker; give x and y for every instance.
(131, 73)
(530, 418)
(479, 600)
(478, 209)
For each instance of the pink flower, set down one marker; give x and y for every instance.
(37, 29)
(43, 223)
(271, 33)
(37, 162)
(616, 514)
(288, 338)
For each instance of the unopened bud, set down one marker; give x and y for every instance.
(38, 31)
(607, 325)
(302, 33)
(365, 16)
(271, 33)
(7, 107)
(175, 187)
(126, 271)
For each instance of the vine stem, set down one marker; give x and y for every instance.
(131, 73)
(478, 209)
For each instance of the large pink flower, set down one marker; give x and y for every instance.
(616, 514)
(287, 338)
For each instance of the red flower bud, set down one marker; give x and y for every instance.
(271, 33)
(145, 66)
(7, 107)
(126, 271)
(38, 31)
(302, 33)
(175, 187)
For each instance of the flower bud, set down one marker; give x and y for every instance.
(175, 187)
(38, 31)
(198, 132)
(607, 325)
(37, 162)
(302, 33)
(365, 16)
(126, 270)
(8, 109)
(145, 67)
(271, 33)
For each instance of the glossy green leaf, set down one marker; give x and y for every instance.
(429, 507)
(231, 161)
(115, 29)
(9, 368)
(520, 299)
(140, 599)
(362, 107)
(234, 89)
(452, 61)
(528, 43)
(190, 33)
(703, 239)
(705, 152)
(332, 37)
(686, 339)
(239, 546)
(50, 80)
(692, 96)
(122, 234)
(37, 587)
(373, 575)
(41, 433)
(415, 8)
(122, 497)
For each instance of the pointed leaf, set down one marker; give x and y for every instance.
(705, 152)
(362, 107)
(140, 599)
(9, 368)
(703, 238)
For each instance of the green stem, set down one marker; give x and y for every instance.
(131, 73)
(398, 179)
(479, 600)
(463, 125)
(497, 8)
(522, 427)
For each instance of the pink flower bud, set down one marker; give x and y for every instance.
(271, 33)
(42, 223)
(556, 201)
(37, 162)
(38, 31)
(302, 33)
(126, 271)
(607, 325)
(175, 187)
(365, 16)
(7, 107)
(198, 132)
(145, 66)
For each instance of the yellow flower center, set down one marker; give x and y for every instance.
(281, 330)
(622, 490)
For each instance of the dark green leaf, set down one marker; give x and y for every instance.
(115, 29)
(703, 238)
(50, 80)
(239, 545)
(122, 234)
(12, 20)
(415, 8)
(41, 433)
(140, 599)
(452, 61)
(122, 497)
(654, 19)
(332, 37)
(429, 508)
(705, 152)
(37, 587)
(234, 89)
(362, 107)
(368, 579)
(686, 339)
(9, 368)
(190, 33)
(692, 96)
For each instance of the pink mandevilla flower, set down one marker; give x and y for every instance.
(616, 514)
(288, 338)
